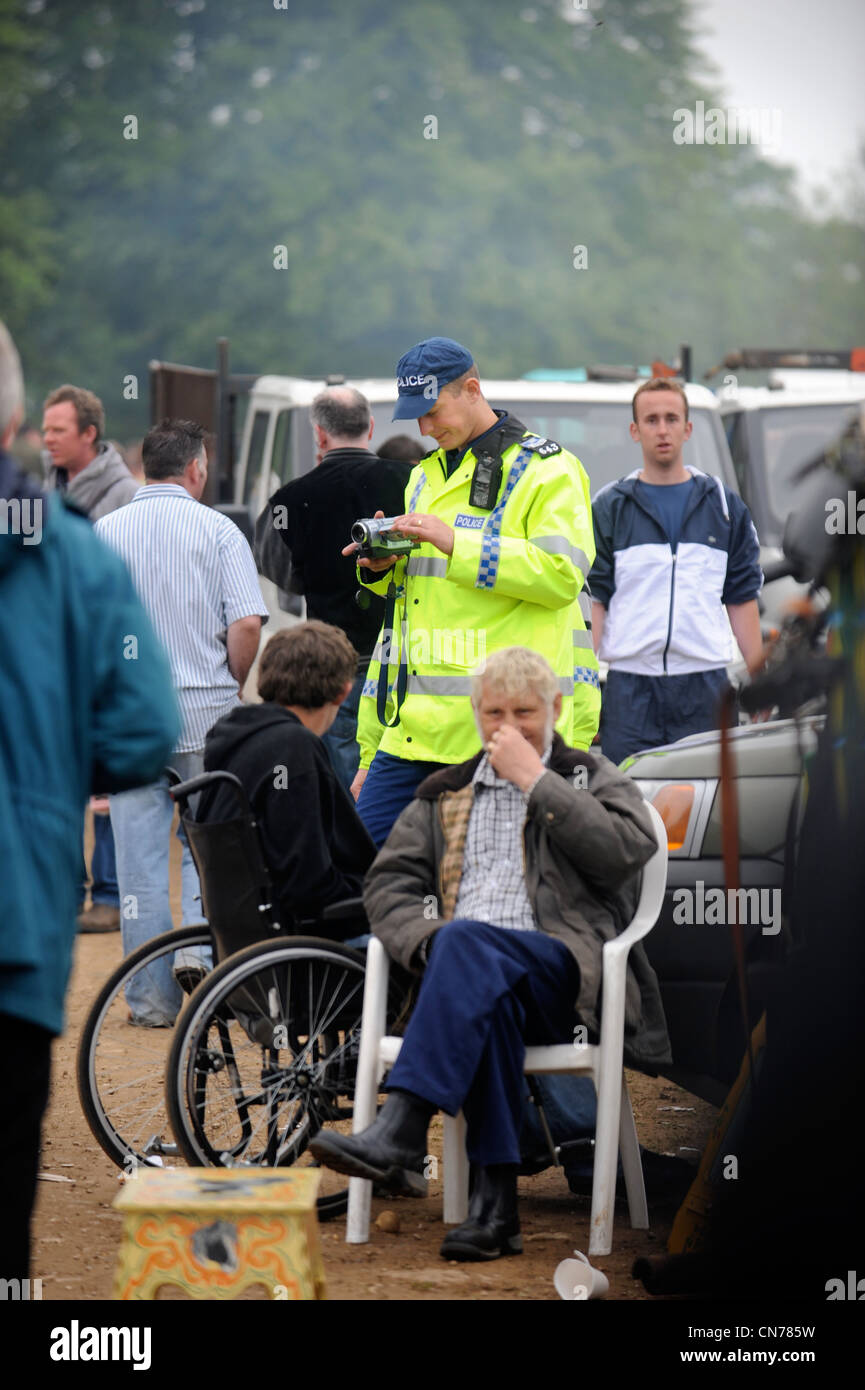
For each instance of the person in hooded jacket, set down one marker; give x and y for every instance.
(77, 717)
(315, 845)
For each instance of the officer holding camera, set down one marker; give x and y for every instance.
(500, 536)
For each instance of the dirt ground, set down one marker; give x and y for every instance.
(76, 1232)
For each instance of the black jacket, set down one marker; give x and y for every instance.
(313, 525)
(316, 846)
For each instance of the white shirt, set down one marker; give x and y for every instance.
(195, 575)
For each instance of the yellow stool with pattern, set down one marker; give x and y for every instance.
(215, 1231)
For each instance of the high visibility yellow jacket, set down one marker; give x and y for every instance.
(515, 578)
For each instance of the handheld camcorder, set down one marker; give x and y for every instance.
(377, 540)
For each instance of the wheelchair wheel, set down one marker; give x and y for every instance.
(266, 1054)
(121, 1068)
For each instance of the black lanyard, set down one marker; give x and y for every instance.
(384, 662)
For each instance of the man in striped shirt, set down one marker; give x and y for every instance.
(196, 576)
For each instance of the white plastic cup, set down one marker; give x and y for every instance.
(576, 1280)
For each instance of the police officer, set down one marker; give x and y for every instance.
(502, 527)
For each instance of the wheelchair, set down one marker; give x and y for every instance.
(263, 1051)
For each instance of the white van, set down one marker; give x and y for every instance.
(589, 418)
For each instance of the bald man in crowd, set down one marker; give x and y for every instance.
(303, 528)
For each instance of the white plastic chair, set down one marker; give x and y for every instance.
(615, 1130)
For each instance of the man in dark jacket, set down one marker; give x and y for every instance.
(316, 847)
(301, 532)
(528, 853)
(76, 716)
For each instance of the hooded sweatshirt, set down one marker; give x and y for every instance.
(103, 486)
(316, 846)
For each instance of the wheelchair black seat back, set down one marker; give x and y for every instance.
(263, 1052)
(236, 892)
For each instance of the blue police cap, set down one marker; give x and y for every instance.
(423, 371)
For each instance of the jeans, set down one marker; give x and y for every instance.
(141, 821)
(389, 787)
(103, 868)
(571, 1109)
(341, 738)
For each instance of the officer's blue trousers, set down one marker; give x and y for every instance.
(486, 992)
(388, 788)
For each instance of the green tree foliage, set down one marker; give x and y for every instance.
(304, 127)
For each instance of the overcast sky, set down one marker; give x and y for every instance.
(805, 59)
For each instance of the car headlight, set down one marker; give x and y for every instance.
(684, 808)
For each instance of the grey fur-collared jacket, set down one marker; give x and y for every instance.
(103, 486)
(583, 847)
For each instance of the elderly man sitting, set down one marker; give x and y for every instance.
(530, 851)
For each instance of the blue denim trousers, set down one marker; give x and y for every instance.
(141, 821)
(340, 740)
(103, 870)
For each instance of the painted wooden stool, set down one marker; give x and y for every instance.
(215, 1231)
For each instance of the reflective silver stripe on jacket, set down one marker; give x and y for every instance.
(461, 685)
(428, 565)
(560, 545)
(585, 602)
(583, 639)
(439, 685)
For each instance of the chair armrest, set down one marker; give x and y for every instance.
(348, 907)
(651, 899)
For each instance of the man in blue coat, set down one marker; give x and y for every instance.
(86, 705)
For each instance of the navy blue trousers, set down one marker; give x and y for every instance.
(388, 788)
(485, 994)
(640, 712)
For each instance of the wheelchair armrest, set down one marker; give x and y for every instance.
(181, 791)
(349, 907)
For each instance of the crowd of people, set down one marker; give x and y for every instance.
(376, 761)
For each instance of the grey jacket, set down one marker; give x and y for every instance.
(103, 486)
(582, 846)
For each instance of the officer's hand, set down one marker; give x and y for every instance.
(512, 756)
(420, 526)
(377, 566)
(359, 779)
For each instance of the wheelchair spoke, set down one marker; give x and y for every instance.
(121, 1067)
(267, 1056)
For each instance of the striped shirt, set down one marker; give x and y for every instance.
(195, 575)
(493, 883)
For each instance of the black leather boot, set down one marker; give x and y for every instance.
(493, 1226)
(391, 1150)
